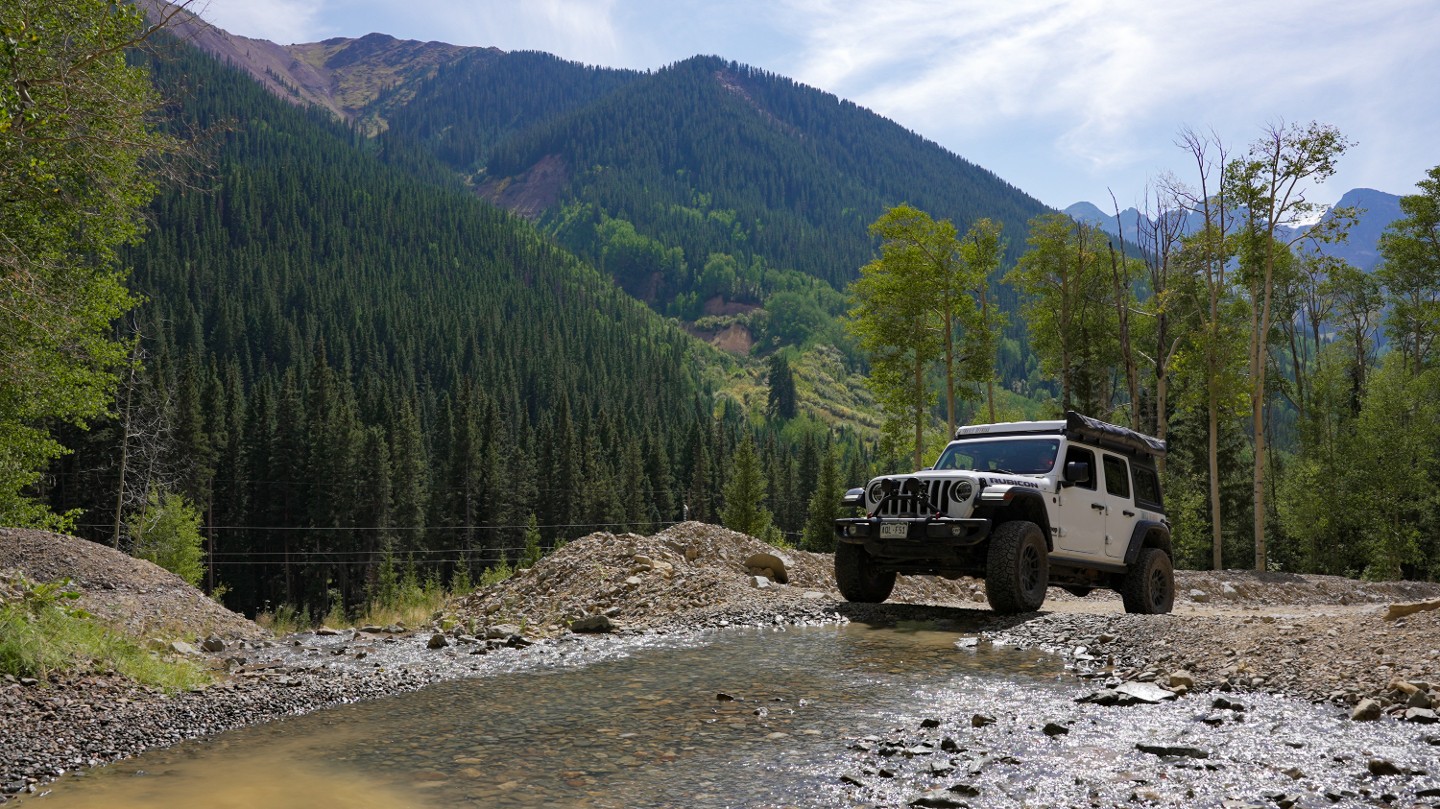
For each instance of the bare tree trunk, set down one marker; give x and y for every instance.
(949, 371)
(1217, 543)
(124, 462)
(919, 413)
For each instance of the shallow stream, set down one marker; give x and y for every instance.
(821, 716)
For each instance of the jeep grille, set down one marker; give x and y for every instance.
(943, 494)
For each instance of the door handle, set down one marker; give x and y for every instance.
(1128, 513)
(1098, 506)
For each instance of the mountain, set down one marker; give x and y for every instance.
(356, 80)
(347, 357)
(705, 188)
(1377, 210)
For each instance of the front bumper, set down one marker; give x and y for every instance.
(921, 535)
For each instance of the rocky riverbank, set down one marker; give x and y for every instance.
(1316, 638)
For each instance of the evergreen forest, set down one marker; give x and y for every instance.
(470, 324)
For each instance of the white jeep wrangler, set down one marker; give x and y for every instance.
(1073, 503)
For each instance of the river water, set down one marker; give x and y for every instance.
(834, 716)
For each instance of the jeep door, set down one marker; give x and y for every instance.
(1080, 521)
(1119, 505)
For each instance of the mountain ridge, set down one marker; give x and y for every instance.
(1377, 209)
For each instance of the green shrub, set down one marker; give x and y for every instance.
(167, 532)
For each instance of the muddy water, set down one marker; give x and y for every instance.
(833, 716)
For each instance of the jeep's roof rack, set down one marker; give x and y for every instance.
(1011, 428)
(1076, 425)
(1113, 436)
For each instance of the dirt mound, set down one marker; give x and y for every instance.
(142, 598)
(690, 575)
(1253, 588)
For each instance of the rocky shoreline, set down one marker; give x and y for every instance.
(1312, 638)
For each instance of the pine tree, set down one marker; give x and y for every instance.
(819, 532)
(744, 509)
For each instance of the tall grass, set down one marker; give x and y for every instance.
(41, 634)
(399, 595)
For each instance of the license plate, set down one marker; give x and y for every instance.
(894, 530)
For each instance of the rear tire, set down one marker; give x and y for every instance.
(1149, 586)
(1017, 568)
(858, 577)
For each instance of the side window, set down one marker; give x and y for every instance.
(1085, 456)
(1117, 477)
(1147, 488)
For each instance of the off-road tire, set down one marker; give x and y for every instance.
(1149, 586)
(1017, 568)
(857, 576)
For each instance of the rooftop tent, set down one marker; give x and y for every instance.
(1112, 436)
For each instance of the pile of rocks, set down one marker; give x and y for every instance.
(690, 576)
(1341, 657)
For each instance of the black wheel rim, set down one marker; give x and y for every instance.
(1159, 588)
(1029, 569)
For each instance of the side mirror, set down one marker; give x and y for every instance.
(853, 498)
(1077, 472)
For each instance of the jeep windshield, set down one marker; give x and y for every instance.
(1016, 456)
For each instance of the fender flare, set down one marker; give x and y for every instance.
(1143, 530)
(1030, 499)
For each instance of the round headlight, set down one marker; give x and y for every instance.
(962, 491)
(877, 490)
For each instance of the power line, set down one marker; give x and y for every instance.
(410, 527)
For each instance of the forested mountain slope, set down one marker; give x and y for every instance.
(707, 156)
(384, 362)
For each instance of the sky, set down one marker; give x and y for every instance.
(1068, 100)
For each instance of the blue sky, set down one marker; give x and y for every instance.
(1068, 101)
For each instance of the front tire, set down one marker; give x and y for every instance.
(858, 577)
(1149, 586)
(1017, 568)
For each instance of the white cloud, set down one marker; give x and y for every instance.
(1057, 96)
(1106, 83)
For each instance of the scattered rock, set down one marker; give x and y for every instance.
(1423, 716)
(778, 566)
(1380, 766)
(759, 582)
(1402, 610)
(1366, 710)
(592, 623)
(1055, 729)
(980, 720)
(1146, 692)
(1173, 751)
(180, 647)
(438, 641)
(1182, 679)
(214, 643)
(938, 802)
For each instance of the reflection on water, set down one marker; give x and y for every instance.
(647, 729)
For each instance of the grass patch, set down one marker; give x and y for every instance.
(284, 620)
(41, 634)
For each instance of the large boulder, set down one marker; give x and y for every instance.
(1402, 610)
(770, 565)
